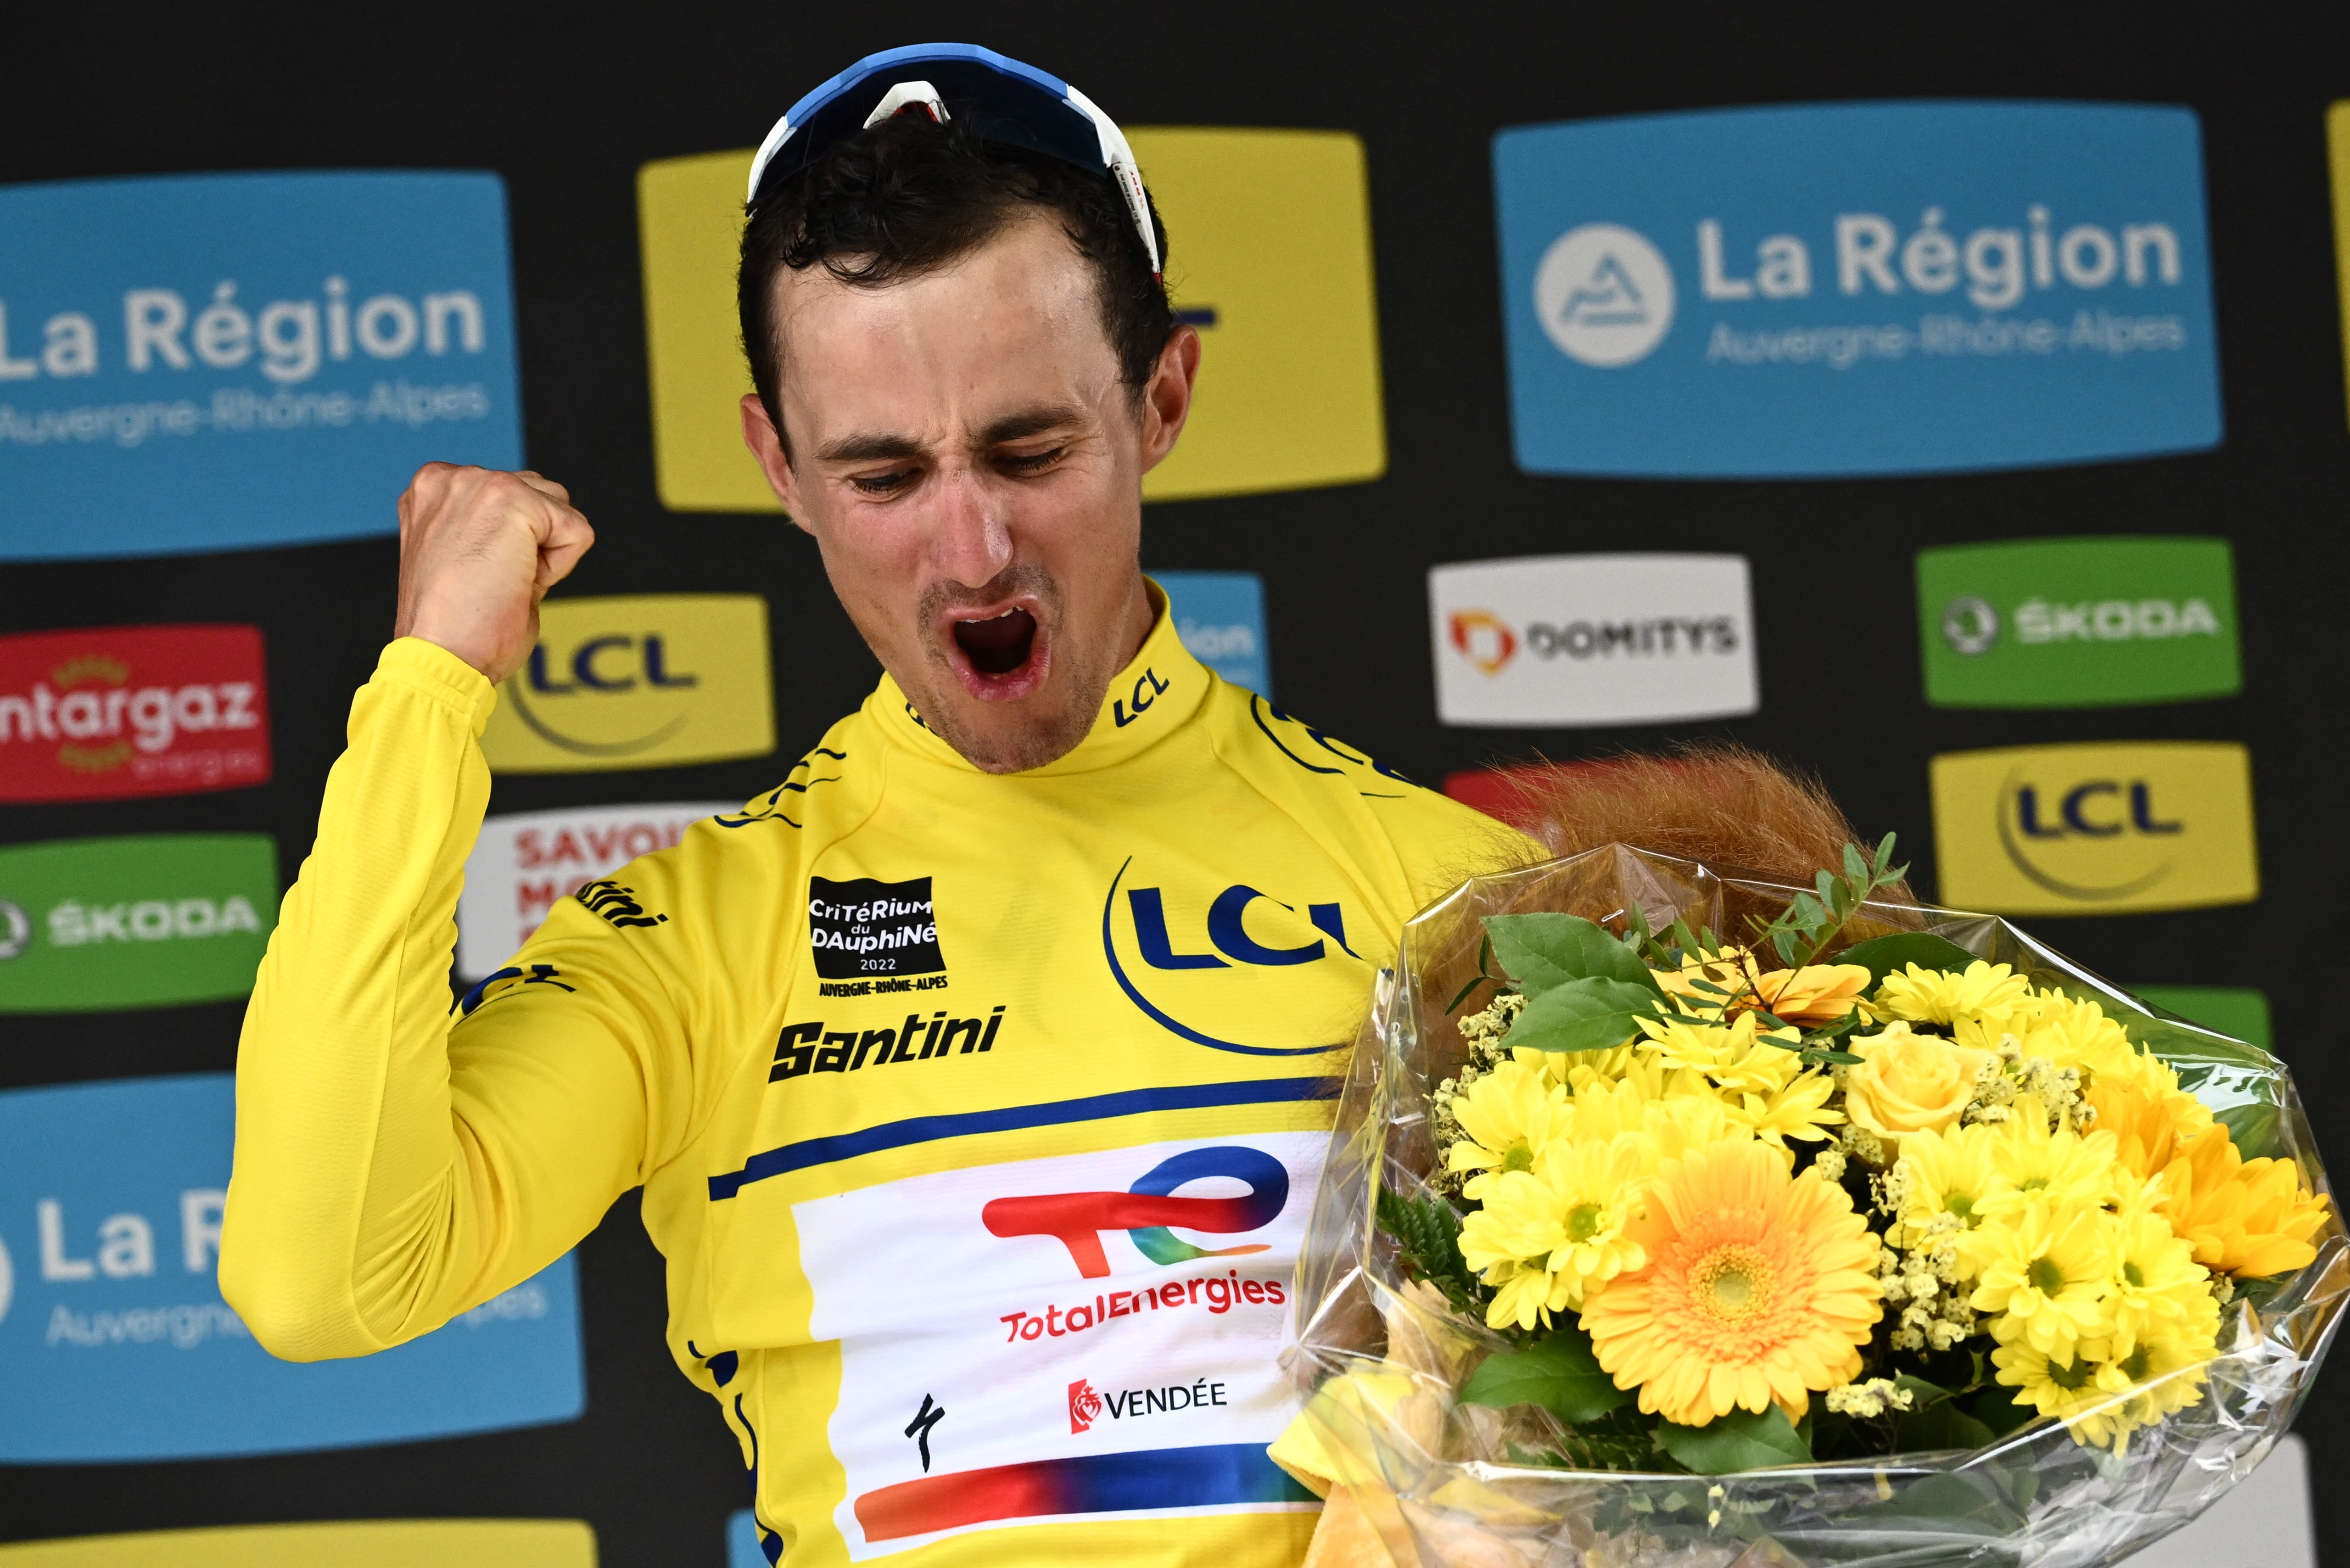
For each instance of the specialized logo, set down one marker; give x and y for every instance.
(861, 928)
(1146, 1209)
(2075, 623)
(144, 920)
(206, 362)
(118, 1346)
(1857, 288)
(2095, 828)
(1271, 264)
(1552, 640)
(805, 1048)
(1221, 617)
(114, 711)
(637, 681)
(444, 1542)
(523, 865)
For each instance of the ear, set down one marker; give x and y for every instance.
(1167, 400)
(766, 444)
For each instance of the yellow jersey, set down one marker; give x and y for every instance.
(978, 1115)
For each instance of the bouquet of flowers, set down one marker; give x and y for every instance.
(1686, 1216)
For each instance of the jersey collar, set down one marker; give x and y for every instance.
(1160, 688)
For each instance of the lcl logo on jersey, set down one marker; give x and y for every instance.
(1155, 942)
(636, 681)
(114, 711)
(2095, 828)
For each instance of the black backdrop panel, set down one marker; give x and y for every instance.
(566, 105)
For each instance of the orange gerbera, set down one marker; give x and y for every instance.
(1758, 1289)
(2249, 1218)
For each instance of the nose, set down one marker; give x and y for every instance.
(971, 538)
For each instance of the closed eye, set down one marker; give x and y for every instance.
(879, 485)
(1026, 463)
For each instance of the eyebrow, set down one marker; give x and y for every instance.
(869, 448)
(1030, 421)
(875, 446)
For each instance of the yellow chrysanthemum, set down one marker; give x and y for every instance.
(1757, 1289)
(1800, 1110)
(2067, 1031)
(2035, 1167)
(2164, 1369)
(2067, 1384)
(1737, 1055)
(2158, 1289)
(2048, 1273)
(1937, 996)
(1547, 1236)
(1507, 1114)
(2246, 1217)
(1945, 1173)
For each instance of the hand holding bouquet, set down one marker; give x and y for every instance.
(1910, 1241)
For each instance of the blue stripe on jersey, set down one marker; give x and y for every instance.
(817, 1151)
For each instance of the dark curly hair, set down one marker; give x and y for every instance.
(910, 196)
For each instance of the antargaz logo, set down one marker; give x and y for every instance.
(2095, 828)
(1271, 262)
(1146, 1209)
(2076, 623)
(1857, 288)
(144, 921)
(113, 711)
(635, 682)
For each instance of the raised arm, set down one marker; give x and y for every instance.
(387, 1177)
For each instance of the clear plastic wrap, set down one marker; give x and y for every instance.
(1436, 1479)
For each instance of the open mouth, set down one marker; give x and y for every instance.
(1000, 645)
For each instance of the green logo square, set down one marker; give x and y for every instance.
(2078, 623)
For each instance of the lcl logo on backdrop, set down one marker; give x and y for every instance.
(2078, 623)
(205, 362)
(444, 1542)
(523, 865)
(1221, 617)
(2097, 828)
(114, 1341)
(637, 680)
(1592, 640)
(111, 711)
(1857, 288)
(141, 920)
(1269, 258)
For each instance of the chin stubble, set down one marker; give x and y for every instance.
(1034, 736)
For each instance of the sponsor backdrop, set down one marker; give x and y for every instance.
(1957, 410)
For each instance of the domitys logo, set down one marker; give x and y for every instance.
(1481, 637)
(108, 712)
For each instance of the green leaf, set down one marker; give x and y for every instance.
(2253, 1129)
(1474, 983)
(1590, 1014)
(1999, 1412)
(1941, 1426)
(1428, 1231)
(1955, 1503)
(1856, 869)
(1543, 951)
(1558, 1373)
(1885, 955)
(1921, 1392)
(1740, 1440)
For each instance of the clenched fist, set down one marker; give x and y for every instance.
(478, 550)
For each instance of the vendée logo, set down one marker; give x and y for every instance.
(1746, 292)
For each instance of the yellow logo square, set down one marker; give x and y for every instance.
(637, 680)
(386, 1543)
(2096, 828)
(1270, 253)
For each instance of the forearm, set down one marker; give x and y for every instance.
(341, 1217)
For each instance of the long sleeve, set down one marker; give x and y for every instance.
(391, 1170)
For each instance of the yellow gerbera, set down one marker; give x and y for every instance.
(1757, 1288)
(2048, 1273)
(2148, 1125)
(1547, 1236)
(2246, 1217)
(1938, 996)
(1508, 1113)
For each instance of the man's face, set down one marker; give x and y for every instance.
(970, 466)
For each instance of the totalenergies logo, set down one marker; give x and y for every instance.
(1482, 637)
(1146, 1209)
